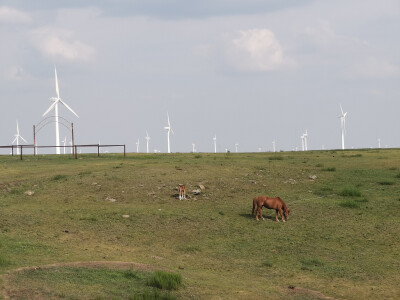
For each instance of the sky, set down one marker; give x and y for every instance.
(248, 72)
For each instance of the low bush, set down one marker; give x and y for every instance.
(386, 182)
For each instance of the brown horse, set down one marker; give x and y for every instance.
(271, 203)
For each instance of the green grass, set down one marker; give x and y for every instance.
(350, 191)
(328, 245)
(165, 280)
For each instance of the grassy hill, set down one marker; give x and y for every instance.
(342, 239)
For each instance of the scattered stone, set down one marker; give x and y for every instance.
(312, 177)
(111, 199)
(94, 183)
(202, 187)
(291, 181)
(29, 193)
(125, 216)
(157, 257)
(196, 192)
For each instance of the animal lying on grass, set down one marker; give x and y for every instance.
(271, 203)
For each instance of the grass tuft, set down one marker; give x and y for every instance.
(397, 175)
(165, 280)
(386, 182)
(350, 204)
(277, 157)
(330, 169)
(59, 177)
(350, 191)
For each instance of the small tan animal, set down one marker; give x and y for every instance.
(271, 203)
(182, 191)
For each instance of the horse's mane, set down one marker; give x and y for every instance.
(285, 208)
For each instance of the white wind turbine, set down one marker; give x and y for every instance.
(57, 100)
(215, 143)
(137, 146)
(305, 135)
(147, 141)
(379, 143)
(273, 145)
(343, 124)
(17, 137)
(193, 147)
(302, 142)
(168, 128)
(236, 146)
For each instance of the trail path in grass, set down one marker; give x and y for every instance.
(113, 265)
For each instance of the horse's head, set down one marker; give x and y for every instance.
(286, 214)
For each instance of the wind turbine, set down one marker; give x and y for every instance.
(343, 124)
(147, 141)
(273, 145)
(215, 143)
(168, 128)
(302, 142)
(17, 137)
(236, 146)
(137, 146)
(57, 100)
(379, 143)
(193, 148)
(305, 135)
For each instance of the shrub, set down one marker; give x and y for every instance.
(350, 191)
(312, 262)
(349, 204)
(132, 274)
(397, 176)
(330, 169)
(165, 280)
(267, 264)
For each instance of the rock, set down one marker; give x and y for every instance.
(312, 177)
(202, 187)
(196, 192)
(29, 193)
(111, 199)
(125, 216)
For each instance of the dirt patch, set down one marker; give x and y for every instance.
(112, 265)
(299, 291)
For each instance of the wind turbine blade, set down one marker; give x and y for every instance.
(57, 90)
(23, 139)
(50, 108)
(17, 128)
(66, 105)
(341, 109)
(169, 125)
(14, 140)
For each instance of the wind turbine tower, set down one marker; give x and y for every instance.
(193, 148)
(273, 145)
(137, 146)
(305, 135)
(236, 146)
(168, 128)
(343, 124)
(17, 137)
(215, 143)
(57, 100)
(147, 141)
(302, 142)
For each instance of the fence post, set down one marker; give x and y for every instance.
(21, 152)
(124, 151)
(76, 151)
(98, 150)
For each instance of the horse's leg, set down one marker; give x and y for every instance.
(280, 212)
(254, 206)
(260, 212)
(276, 215)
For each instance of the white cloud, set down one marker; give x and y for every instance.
(12, 15)
(61, 44)
(255, 50)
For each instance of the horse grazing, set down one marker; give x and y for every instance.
(271, 203)
(182, 191)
